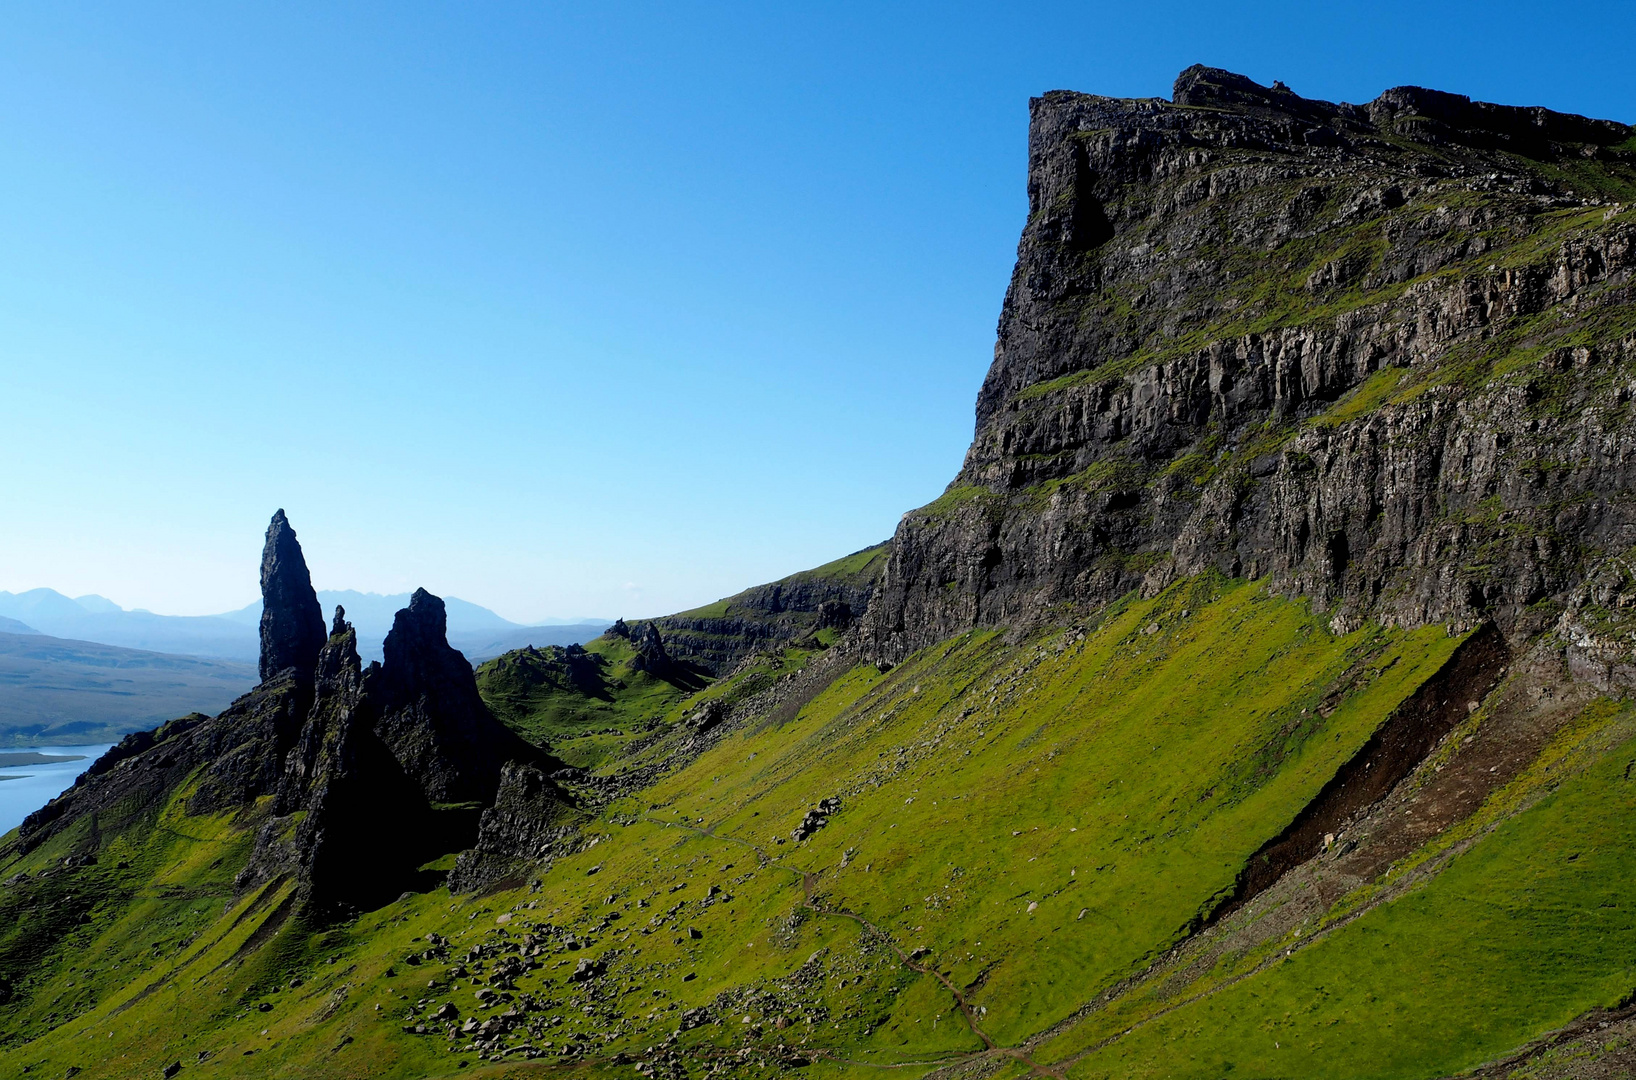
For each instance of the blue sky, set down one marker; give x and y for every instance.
(565, 309)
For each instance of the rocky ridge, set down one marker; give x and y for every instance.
(767, 617)
(1375, 354)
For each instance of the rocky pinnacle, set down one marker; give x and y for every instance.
(292, 623)
(431, 715)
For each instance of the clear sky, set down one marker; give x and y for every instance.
(566, 309)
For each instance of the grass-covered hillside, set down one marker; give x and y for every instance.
(585, 702)
(1256, 705)
(1029, 863)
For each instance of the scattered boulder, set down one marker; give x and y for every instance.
(707, 716)
(815, 819)
(692, 1018)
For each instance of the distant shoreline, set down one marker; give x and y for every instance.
(15, 758)
(12, 742)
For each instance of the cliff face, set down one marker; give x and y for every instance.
(768, 617)
(1381, 355)
(366, 823)
(428, 710)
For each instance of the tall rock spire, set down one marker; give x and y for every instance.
(292, 623)
(430, 713)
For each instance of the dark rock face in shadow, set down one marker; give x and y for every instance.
(292, 623)
(379, 747)
(430, 714)
(531, 820)
(367, 824)
(360, 755)
(650, 652)
(244, 747)
(367, 821)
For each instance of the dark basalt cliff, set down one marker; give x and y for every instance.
(366, 823)
(1370, 353)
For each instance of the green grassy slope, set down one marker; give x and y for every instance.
(1029, 823)
(1104, 776)
(1531, 927)
(584, 705)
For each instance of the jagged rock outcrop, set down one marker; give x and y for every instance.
(366, 824)
(292, 622)
(514, 678)
(239, 754)
(1381, 355)
(337, 690)
(650, 652)
(243, 748)
(429, 713)
(531, 821)
(354, 814)
(355, 759)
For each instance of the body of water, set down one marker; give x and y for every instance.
(26, 787)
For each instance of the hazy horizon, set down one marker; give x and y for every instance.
(94, 603)
(619, 308)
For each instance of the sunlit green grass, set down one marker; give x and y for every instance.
(1139, 771)
(1045, 816)
(1532, 927)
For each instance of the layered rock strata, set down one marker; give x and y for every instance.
(1380, 355)
(769, 617)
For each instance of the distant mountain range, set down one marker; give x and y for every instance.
(97, 619)
(55, 691)
(474, 630)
